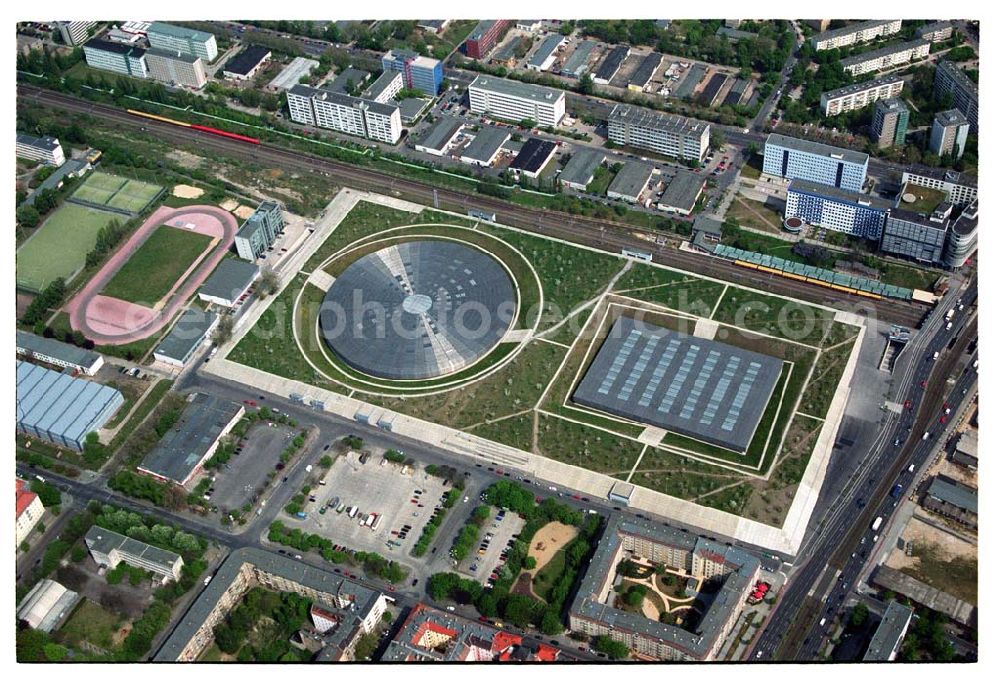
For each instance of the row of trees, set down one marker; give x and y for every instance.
(50, 297)
(373, 563)
(108, 238)
(468, 535)
(516, 609)
(148, 530)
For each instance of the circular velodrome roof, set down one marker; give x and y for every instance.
(418, 309)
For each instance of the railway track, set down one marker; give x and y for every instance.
(593, 232)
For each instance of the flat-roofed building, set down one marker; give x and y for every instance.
(74, 32)
(246, 64)
(670, 135)
(682, 193)
(44, 149)
(115, 57)
(644, 73)
(966, 451)
(440, 136)
(916, 235)
(925, 595)
(484, 37)
(862, 31)
(887, 57)
(887, 639)
(28, 510)
(949, 78)
(293, 73)
(59, 408)
(58, 353)
(792, 158)
(580, 169)
(963, 236)
(949, 133)
(180, 39)
(611, 64)
(939, 31)
(859, 95)
(229, 282)
(954, 500)
(961, 189)
(486, 145)
(418, 72)
(577, 63)
(533, 157)
(630, 182)
(433, 25)
(260, 230)
(176, 68)
(183, 450)
(47, 605)
(109, 548)
(890, 121)
(516, 101)
(385, 87)
(844, 211)
(192, 327)
(348, 81)
(345, 114)
(545, 54)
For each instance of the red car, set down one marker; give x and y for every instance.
(944, 419)
(576, 497)
(923, 384)
(945, 407)
(908, 404)
(483, 619)
(392, 588)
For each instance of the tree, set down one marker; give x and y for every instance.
(551, 625)
(224, 330)
(859, 615)
(326, 461)
(27, 216)
(612, 647)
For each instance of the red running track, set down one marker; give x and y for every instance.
(110, 321)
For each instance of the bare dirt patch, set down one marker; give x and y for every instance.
(229, 204)
(244, 212)
(549, 540)
(187, 192)
(184, 159)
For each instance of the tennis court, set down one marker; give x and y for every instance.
(107, 190)
(60, 246)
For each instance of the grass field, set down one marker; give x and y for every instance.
(90, 623)
(60, 246)
(117, 192)
(156, 266)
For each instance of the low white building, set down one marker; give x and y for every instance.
(44, 149)
(109, 548)
(58, 353)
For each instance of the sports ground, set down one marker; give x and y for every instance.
(520, 395)
(60, 246)
(116, 192)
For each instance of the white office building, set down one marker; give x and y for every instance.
(671, 135)
(185, 40)
(860, 32)
(175, 68)
(887, 57)
(516, 101)
(346, 114)
(792, 158)
(859, 95)
(961, 189)
(44, 149)
(75, 32)
(116, 57)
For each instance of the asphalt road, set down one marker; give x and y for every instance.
(793, 633)
(606, 235)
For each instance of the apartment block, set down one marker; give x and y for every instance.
(385, 87)
(116, 57)
(949, 78)
(890, 120)
(670, 135)
(346, 114)
(859, 95)
(792, 158)
(855, 33)
(180, 39)
(28, 509)
(419, 72)
(887, 57)
(836, 209)
(939, 31)
(176, 68)
(44, 149)
(516, 101)
(949, 133)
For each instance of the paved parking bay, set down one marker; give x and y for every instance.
(373, 487)
(246, 472)
(499, 531)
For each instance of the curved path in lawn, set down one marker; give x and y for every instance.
(109, 321)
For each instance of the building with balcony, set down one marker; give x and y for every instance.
(887, 57)
(859, 95)
(950, 79)
(855, 33)
(345, 114)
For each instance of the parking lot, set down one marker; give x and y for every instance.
(246, 472)
(404, 502)
(497, 536)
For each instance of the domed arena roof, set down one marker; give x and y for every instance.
(418, 309)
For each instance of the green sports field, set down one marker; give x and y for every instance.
(60, 246)
(153, 269)
(108, 190)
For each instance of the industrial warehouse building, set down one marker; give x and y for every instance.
(516, 101)
(580, 170)
(228, 282)
(291, 74)
(682, 193)
(109, 548)
(59, 408)
(695, 387)
(485, 147)
(439, 136)
(47, 605)
(669, 135)
(246, 64)
(193, 327)
(630, 181)
(180, 453)
(57, 353)
(534, 155)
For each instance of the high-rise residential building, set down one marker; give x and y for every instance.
(671, 135)
(836, 209)
(75, 32)
(484, 37)
(44, 149)
(792, 158)
(385, 87)
(176, 68)
(260, 230)
(862, 31)
(180, 39)
(116, 57)
(820, 24)
(949, 78)
(516, 101)
(948, 133)
(890, 120)
(887, 57)
(958, 188)
(859, 95)
(419, 72)
(346, 114)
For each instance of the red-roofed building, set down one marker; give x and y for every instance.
(29, 509)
